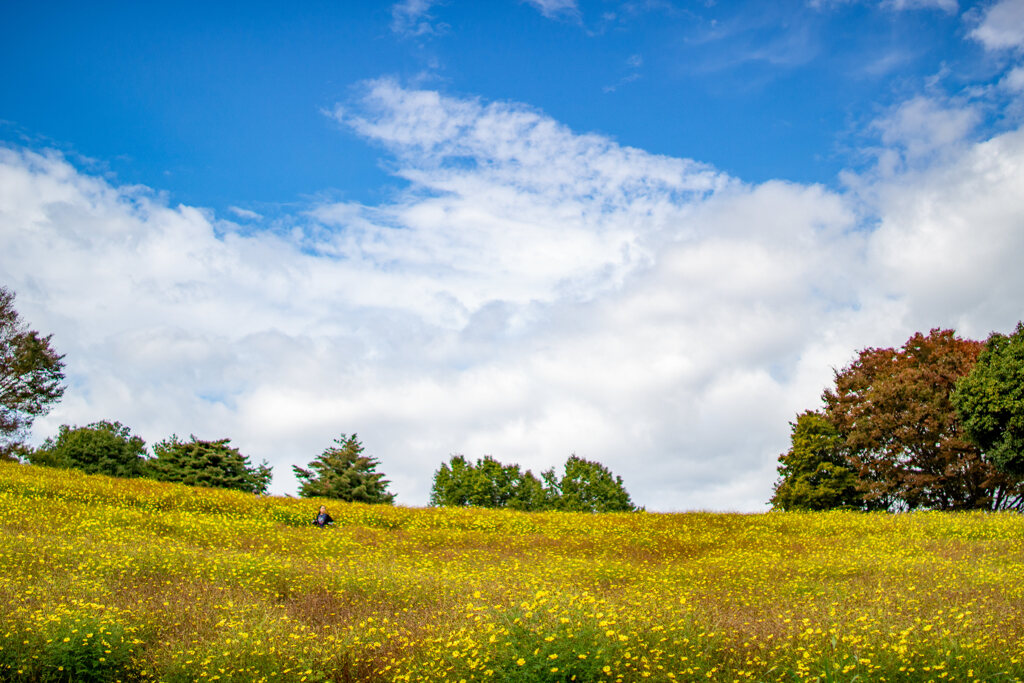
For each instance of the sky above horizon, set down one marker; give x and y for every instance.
(642, 232)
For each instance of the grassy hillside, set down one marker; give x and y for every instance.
(105, 579)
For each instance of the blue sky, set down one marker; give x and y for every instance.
(644, 232)
(221, 104)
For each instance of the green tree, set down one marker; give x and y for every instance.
(990, 401)
(813, 474)
(31, 373)
(454, 483)
(901, 434)
(343, 472)
(487, 483)
(99, 448)
(588, 486)
(207, 463)
(532, 494)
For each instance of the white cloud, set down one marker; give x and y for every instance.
(922, 126)
(1014, 80)
(533, 292)
(412, 18)
(1002, 26)
(948, 6)
(951, 237)
(633, 64)
(556, 8)
(245, 213)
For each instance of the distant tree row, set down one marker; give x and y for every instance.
(936, 424)
(110, 448)
(341, 472)
(585, 486)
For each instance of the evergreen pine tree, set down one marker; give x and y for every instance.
(207, 463)
(343, 472)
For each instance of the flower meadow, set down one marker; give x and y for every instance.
(105, 579)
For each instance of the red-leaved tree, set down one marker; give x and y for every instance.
(901, 433)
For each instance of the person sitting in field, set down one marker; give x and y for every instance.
(323, 519)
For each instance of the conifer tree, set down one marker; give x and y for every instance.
(343, 472)
(207, 463)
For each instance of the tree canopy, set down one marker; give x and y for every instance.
(890, 422)
(813, 474)
(207, 463)
(31, 375)
(487, 483)
(343, 472)
(585, 486)
(990, 401)
(588, 486)
(99, 448)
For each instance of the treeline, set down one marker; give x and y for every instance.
(110, 448)
(936, 424)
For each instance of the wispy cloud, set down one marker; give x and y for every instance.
(557, 9)
(245, 213)
(753, 39)
(923, 126)
(633, 65)
(412, 18)
(948, 6)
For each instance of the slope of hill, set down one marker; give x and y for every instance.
(111, 579)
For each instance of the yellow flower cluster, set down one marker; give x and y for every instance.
(110, 579)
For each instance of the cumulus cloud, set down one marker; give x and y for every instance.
(533, 292)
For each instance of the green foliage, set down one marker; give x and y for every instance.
(488, 484)
(87, 652)
(813, 474)
(207, 463)
(343, 472)
(99, 448)
(30, 375)
(586, 487)
(589, 486)
(901, 435)
(990, 401)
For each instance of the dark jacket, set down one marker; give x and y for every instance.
(323, 519)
